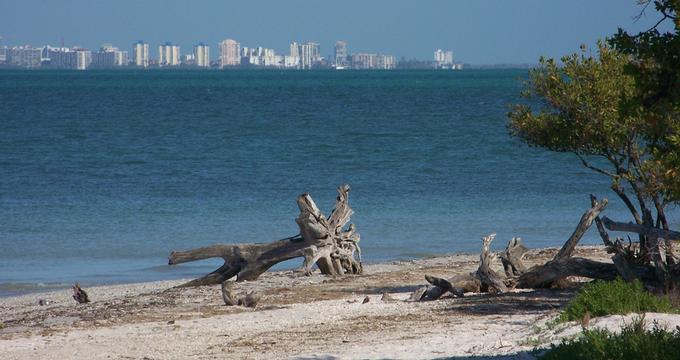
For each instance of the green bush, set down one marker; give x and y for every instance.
(633, 343)
(600, 298)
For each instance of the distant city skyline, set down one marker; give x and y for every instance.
(478, 32)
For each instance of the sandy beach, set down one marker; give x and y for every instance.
(298, 317)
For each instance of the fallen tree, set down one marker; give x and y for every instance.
(321, 241)
(655, 266)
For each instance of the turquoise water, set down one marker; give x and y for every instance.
(104, 173)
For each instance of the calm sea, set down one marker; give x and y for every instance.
(102, 174)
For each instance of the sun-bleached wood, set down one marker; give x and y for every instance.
(321, 241)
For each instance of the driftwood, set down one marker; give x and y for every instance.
(250, 300)
(654, 265)
(625, 261)
(563, 265)
(640, 229)
(486, 275)
(322, 241)
(512, 258)
(484, 279)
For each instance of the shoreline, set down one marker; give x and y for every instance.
(297, 317)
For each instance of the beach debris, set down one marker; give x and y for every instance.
(79, 294)
(366, 299)
(43, 302)
(386, 297)
(656, 266)
(227, 293)
(324, 242)
(250, 300)
(418, 294)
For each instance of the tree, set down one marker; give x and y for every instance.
(656, 70)
(585, 106)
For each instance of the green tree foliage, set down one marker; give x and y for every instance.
(656, 71)
(585, 106)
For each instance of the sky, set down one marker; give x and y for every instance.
(477, 31)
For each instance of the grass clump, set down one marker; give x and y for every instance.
(600, 298)
(633, 343)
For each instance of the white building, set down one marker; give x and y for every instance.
(291, 62)
(443, 59)
(109, 56)
(168, 55)
(24, 56)
(309, 54)
(261, 56)
(341, 53)
(140, 54)
(364, 61)
(83, 58)
(202, 55)
(230, 53)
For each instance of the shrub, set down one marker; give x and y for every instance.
(600, 298)
(634, 343)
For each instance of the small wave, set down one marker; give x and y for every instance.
(18, 288)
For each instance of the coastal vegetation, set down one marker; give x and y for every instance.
(633, 342)
(600, 298)
(617, 111)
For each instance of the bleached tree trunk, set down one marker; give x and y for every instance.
(321, 241)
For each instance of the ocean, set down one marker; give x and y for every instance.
(103, 173)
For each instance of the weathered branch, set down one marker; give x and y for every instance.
(250, 300)
(321, 241)
(640, 229)
(545, 275)
(485, 274)
(586, 220)
(512, 258)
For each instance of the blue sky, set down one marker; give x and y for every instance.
(478, 31)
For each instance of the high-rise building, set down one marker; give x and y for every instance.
(168, 55)
(140, 54)
(83, 59)
(3, 54)
(294, 49)
(230, 53)
(59, 58)
(121, 58)
(443, 59)
(108, 56)
(261, 56)
(341, 53)
(24, 56)
(202, 55)
(363, 61)
(385, 62)
(309, 54)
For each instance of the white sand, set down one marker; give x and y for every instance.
(299, 317)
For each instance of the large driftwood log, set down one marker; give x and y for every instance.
(546, 275)
(563, 265)
(483, 279)
(321, 241)
(512, 258)
(486, 275)
(640, 229)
